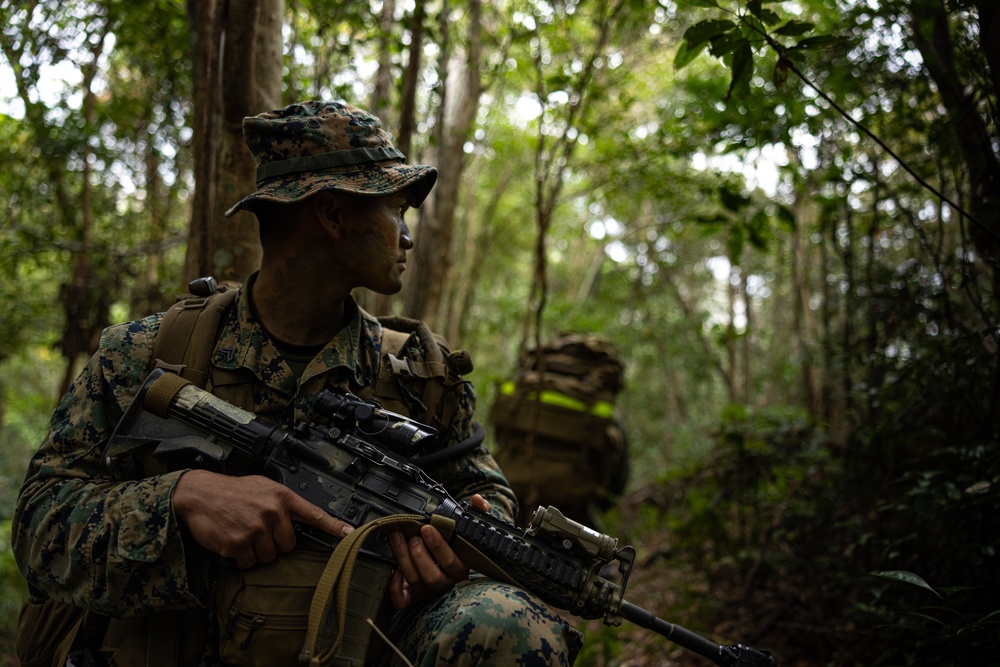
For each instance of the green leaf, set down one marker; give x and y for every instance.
(991, 618)
(906, 578)
(742, 70)
(687, 53)
(795, 27)
(727, 43)
(734, 244)
(710, 219)
(754, 7)
(768, 17)
(706, 30)
(757, 230)
(786, 217)
(927, 617)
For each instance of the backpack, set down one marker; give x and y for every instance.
(557, 436)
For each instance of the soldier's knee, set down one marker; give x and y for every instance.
(515, 623)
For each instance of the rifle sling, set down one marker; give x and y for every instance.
(334, 584)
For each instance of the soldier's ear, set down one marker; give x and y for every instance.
(326, 206)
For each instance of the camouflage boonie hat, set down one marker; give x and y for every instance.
(313, 146)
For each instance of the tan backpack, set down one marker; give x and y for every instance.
(558, 439)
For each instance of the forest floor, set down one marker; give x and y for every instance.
(676, 590)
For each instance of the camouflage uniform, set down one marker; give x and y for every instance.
(118, 548)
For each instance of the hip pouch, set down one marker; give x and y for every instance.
(263, 612)
(46, 631)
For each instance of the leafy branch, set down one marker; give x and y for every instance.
(733, 40)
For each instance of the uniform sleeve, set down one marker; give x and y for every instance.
(80, 537)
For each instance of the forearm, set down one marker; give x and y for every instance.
(116, 548)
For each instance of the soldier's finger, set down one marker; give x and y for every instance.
(445, 558)
(481, 503)
(304, 511)
(264, 550)
(399, 591)
(404, 563)
(284, 536)
(244, 558)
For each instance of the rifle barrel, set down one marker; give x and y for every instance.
(672, 631)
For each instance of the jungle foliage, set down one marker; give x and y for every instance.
(784, 214)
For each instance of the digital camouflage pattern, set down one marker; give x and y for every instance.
(479, 622)
(117, 548)
(312, 146)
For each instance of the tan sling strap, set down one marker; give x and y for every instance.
(320, 648)
(188, 331)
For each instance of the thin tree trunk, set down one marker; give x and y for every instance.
(731, 387)
(247, 41)
(408, 96)
(84, 297)
(380, 104)
(691, 317)
(933, 40)
(206, 23)
(746, 346)
(480, 232)
(803, 211)
(425, 296)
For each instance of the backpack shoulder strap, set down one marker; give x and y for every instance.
(434, 377)
(392, 339)
(186, 339)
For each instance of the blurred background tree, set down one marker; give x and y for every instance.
(784, 215)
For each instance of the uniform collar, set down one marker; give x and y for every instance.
(351, 355)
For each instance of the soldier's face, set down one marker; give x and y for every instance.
(374, 239)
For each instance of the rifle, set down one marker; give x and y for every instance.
(353, 462)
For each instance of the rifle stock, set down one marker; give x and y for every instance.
(353, 464)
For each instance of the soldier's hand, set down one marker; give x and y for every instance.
(247, 519)
(426, 566)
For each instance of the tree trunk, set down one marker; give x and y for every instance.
(205, 22)
(381, 105)
(408, 96)
(931, 36)
(734, 373)
(746, 349)
(85, 297)
(432, 254)
(237, 65)
(381, 101)
(479, 237)
(803, 328)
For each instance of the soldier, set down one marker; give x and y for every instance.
(148, 557)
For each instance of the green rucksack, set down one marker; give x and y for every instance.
(557, 435)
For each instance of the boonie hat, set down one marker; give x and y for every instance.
(313, 146)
